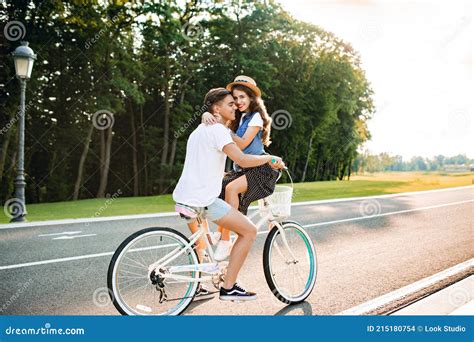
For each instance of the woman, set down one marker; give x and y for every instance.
(251, 133)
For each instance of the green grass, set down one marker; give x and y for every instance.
(359, 185)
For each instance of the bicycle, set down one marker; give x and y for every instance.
(156, 271)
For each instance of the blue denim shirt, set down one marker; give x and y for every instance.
(256, 146)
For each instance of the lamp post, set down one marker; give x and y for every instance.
(24, 58)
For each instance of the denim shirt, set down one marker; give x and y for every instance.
(256, 146)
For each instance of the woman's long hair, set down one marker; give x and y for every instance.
(256, 105)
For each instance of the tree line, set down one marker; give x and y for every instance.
(118, 86)
(366, 162)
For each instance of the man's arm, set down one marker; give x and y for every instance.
(248, 160)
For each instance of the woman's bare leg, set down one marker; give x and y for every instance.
(232, 191)
(201, 244)
(247, 232)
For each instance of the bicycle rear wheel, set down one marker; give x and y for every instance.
(290, 280)
(134, 291)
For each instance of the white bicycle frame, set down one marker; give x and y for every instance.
(171, 272)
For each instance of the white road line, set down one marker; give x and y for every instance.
(35, 263)
(386, 214)
(370, 306)
(63, 233)
(171, 214)
(72, 237)
(52, 261)
(79, 257)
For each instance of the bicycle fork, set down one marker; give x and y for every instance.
(285, 243)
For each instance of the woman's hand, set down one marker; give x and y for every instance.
(208, 119)
(277, 163)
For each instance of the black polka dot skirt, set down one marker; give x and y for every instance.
(261, 182)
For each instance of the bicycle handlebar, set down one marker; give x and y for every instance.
(289, 175)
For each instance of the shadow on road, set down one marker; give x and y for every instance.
(289, 310)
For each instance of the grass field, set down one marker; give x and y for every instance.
(359, 185)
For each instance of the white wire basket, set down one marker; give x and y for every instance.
(279, 201)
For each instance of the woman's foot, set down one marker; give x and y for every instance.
(222, 250)
(203, 292)
(214, 237)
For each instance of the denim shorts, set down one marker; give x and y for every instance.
(214, 211)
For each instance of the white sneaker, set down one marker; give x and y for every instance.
(214, 237)
(222, 250)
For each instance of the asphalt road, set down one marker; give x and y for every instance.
(360, 256)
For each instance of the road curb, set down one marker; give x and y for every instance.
(409, 294)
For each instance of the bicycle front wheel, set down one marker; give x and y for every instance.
(290, 268)
(134, 291)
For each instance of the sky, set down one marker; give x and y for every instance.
(418, 57)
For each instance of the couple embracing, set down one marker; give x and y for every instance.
(237, 126)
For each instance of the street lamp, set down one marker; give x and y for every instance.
(24, 58)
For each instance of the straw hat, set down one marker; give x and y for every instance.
(247, 82)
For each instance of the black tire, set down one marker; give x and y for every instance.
(274, 232)
(123, 245)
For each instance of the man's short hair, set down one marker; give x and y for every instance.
(215, 96)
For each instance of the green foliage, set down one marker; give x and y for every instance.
(150, 64)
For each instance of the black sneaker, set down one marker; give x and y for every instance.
(236, 293)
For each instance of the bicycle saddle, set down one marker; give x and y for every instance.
(186, 211)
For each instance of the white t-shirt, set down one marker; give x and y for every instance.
(255, 121)
(201, 180)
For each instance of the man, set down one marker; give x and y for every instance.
(201, 180)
